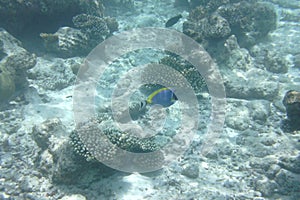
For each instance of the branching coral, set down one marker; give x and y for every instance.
(95, 27)
(187, 70)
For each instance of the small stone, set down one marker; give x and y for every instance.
(190, 170)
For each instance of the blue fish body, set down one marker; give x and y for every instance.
(164, 97)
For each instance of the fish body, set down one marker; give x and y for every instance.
(164, 97)
(173, 21)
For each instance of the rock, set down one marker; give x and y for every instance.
(291, 101)
(46, 162)
(274, 63)
(235, 57)
(288, 182)
(260, 110)
(2, 54)
(238, 116)
(291, 163)
(57, 159)
(251, 21)
(297, 61)
(272, 171)
(66, 166)
(253, 84)
(7, 84)
(287, 4)
(89, 32)
(262, 165)
(266, 187)
(13, 66)
(210, 28)
(42, 133)
(121, 4)
(30, 184)
(70, 168)
(112, 24)
(74, 197)
(179, 3)
(55, 73)
(290, 15)
(67, 42)
(190, 170)
(268, 140)
(21, 62)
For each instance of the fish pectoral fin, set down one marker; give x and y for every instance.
(143, 104)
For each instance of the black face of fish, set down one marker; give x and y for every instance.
(173, 21)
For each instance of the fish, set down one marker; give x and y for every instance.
(163, 96)
(173, 21)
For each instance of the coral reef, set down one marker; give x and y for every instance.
(13, 66)
(122, 140)
(291, 101)
(187, 70)
(249, 22)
